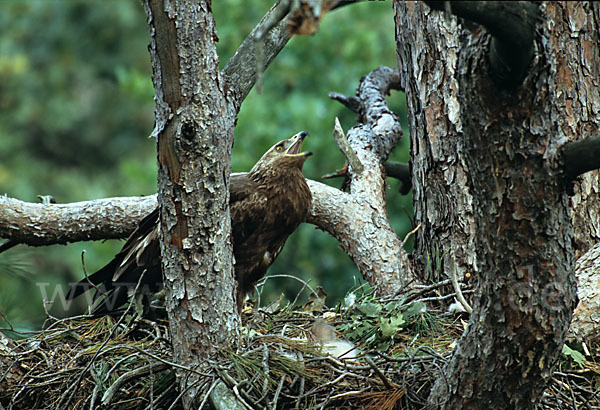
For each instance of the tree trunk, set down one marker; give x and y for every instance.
(442, 200)
(577, 112)
(195, 119)
(513, 217)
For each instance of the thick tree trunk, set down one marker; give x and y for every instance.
(512, 222)
(577, 102)
(194, 125)
(442, 199)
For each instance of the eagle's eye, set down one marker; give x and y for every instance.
(279, 148)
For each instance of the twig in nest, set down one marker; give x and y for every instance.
(265, 364)
(278, 391)
(344, 146)
(87, 278)
(455, 285)
(379, 372)
(140, 371)
(212, 386)
(70, 392)
(304, 283)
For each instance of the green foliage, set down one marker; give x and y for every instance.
(375, 325)
(575, 356)
(76, 108)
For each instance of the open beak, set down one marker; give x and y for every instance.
(296, 148)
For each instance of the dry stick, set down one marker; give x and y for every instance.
(95, 393)
(87, 278)
(110, 392)
(305, 284)
(301, 387)
(408, 235)
(349, 394)
(239, 396)
(165, 393)
(344, 146)
(214, 383)
(455, 285)
(352, 103)
(167, 362)
(436, 298)
(324, 403)
(180, 395)
(279, 13)
(278, 391)
(379, 373)
(117, 364)
(265, 364)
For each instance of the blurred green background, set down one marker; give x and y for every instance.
(76, 109)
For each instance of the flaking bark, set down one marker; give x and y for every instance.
(500, 147)
(47, 224)
(442, 199)
(358, 219)
(195, 119)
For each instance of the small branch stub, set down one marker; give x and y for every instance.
(344, 146)
(580, 157)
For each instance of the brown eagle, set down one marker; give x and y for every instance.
(267, 204)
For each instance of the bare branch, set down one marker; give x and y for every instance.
(352, 103)
(383, 122)
(241, 69)
(342, 143)
(512, 25)
(350, 220)
(357, 219)
(45, 224)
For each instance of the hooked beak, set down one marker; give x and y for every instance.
(296, 148)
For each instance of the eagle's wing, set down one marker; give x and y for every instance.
(141, 251)
(248, 207)
(139, 255)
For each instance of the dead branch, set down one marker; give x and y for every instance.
(38, 224)
(358, 219)
(241, 69)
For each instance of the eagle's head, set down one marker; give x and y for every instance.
(284, 156)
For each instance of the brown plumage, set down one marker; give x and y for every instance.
(267, 204)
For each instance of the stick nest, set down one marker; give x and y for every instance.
(366, 353)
